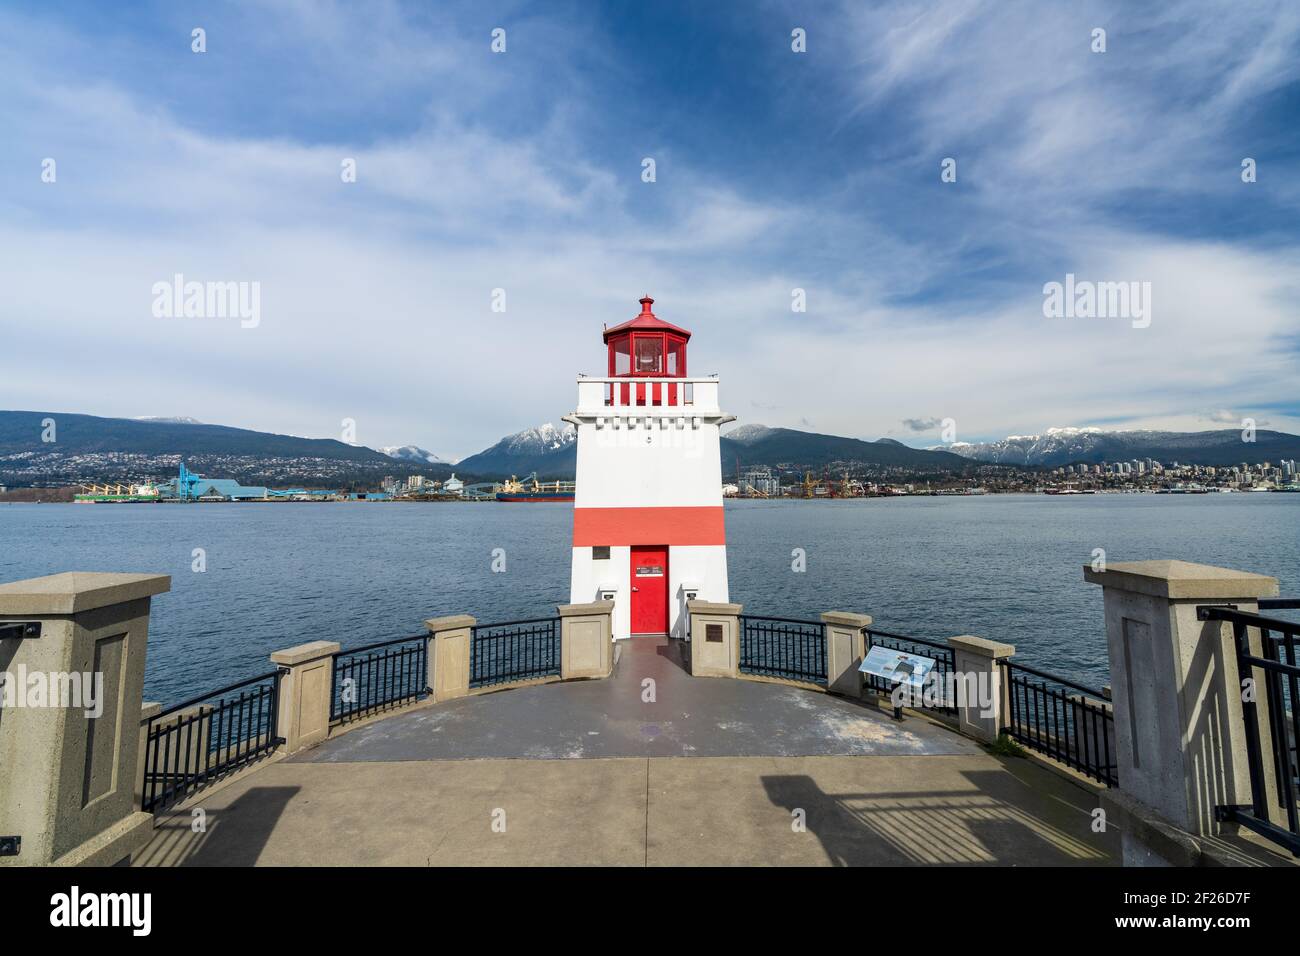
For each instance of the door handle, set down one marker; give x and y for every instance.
(636, 589)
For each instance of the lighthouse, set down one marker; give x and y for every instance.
(648, 529)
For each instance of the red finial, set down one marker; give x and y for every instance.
(646, 302)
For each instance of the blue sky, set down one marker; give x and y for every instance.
(775, 170)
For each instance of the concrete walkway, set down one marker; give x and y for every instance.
(699, 772)
(664, 811)
(651, 707)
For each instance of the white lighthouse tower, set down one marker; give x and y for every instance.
(648, 528)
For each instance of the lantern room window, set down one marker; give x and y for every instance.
(655, 354)
(676, 355)
(620, 355)
(649, 354)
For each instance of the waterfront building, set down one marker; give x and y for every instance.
(648, 530)
(760, 482)
(453, 485)
(189, 486)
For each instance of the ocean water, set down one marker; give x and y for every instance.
(1005, 567)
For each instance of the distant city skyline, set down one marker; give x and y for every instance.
(779, 176)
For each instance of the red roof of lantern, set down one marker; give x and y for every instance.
(646, 321)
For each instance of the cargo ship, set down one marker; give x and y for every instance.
(530, 489)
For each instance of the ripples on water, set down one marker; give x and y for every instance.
(1006, 567)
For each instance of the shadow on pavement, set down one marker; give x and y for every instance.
(231, 836)
(997, 821)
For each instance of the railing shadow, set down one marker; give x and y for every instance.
(982, 825)
(235, 835)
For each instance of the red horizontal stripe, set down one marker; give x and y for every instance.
(624, 526)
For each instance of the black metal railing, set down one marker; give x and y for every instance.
(193, 743)
(378, 676)
(1269, 664)
(514, 651)
(940, 697)
(1065, 721)
(782, 647)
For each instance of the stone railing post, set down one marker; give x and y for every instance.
(979, 685)
(1180, 735)
(449, 639)
(148, 709)
(305, 692)
(715, 639)
(586, 639)
(69, 762)
(844, 650)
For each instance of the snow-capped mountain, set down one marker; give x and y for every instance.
(548, 450)
(414, 453)
(1062, 446)
(536, 441)
(749, 433)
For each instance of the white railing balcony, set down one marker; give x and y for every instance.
(693, 396)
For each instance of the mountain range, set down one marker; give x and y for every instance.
(50, 448)
(85, 434)
(1064, 446)
(760, 445)
(552, 452)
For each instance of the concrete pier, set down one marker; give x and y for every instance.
(708, 772)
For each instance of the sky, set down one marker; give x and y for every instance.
(774, 170)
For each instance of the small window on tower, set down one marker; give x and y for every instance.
(600, 552)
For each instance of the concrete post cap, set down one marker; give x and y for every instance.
(982, 646)
(708, 607)
(304, 653)
(75, 591)
(846, 619)
(580, 610)
(452, 622)
(1181, 579)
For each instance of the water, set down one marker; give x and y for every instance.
(1006, 567)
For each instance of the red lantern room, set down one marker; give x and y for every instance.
(647, 347)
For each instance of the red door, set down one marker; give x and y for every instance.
(649, 589)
